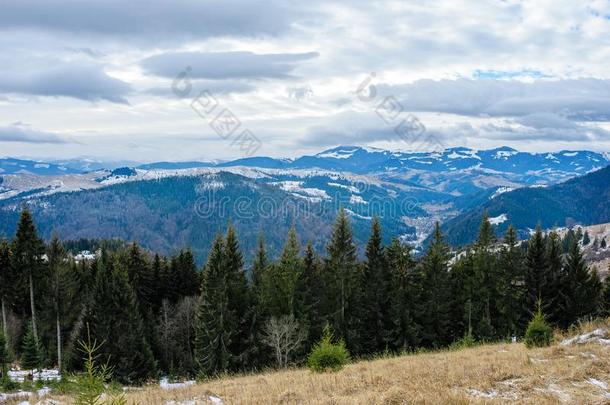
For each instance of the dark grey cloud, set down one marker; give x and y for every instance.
(150, 21)
(22, 133)
(49, 78)
(225, 65)
(579, 99)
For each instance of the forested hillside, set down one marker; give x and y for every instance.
(584, 200)
(165, 315)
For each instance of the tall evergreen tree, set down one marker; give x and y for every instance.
(217, 325)
(310, 289)
(115, 320)
(344, 282)
(403, 294)
(580, 289)
(61, 285)
(30, 352)
(280, 279)
(536, 274)
(510, 286)
(260, 264)
(436, 293)
(7, 284)
(376, 295)
(550, 294)
(28, 250)
(239, 300)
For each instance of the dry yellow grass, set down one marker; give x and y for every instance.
(485, 374)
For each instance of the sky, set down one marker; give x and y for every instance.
(223, 79)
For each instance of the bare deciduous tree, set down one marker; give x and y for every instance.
(285, 336)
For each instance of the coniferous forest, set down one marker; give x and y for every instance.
(155, 315)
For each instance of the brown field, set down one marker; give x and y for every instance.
(498, 373)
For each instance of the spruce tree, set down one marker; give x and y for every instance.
(216, 326)
(188, 279)
(603, 243)
(239, 300)
(140, 276)
(536, 274)
(555, 274)
(310, 289)
(27, 252)
(586, 239)
(30, 351)
(435, 317)
(580, 289)
(115, 320)
(510, 286)
(343, 279)
(62, 288)
(280, 280)
(482, 306)
(259, 265)
(7, 284)
(376, 296)
(404, 299)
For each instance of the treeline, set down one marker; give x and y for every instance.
(158, 315)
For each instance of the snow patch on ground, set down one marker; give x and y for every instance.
(499, 219)
(356, 199)
(353, 214)
(499, 191)
(42, 375)
(166, 385)
(599, 336)
(346, 187)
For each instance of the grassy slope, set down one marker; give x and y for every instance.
(486, 374)
(490, 373)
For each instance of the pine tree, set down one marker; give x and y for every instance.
(140, 275)
(28, 250)
(7, 283)
(482, 306)
(280, 279)
(259, 265)
(536, 273)
(404, 334)
(188, 279)
(586, 239)
(344, 284)
(216, 326)
(61, 284)
(310, 289)
(510, 289)
(239, 300)
(376, 304)
(555, 270)
(435, 318)
(568, 239)
(30, 352)
(580, 289)
(603, 243)
(115, 320)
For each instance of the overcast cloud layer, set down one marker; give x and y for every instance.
(116, 80)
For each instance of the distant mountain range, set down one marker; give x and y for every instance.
(582, 200)
(155, 203)
(360, 160)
